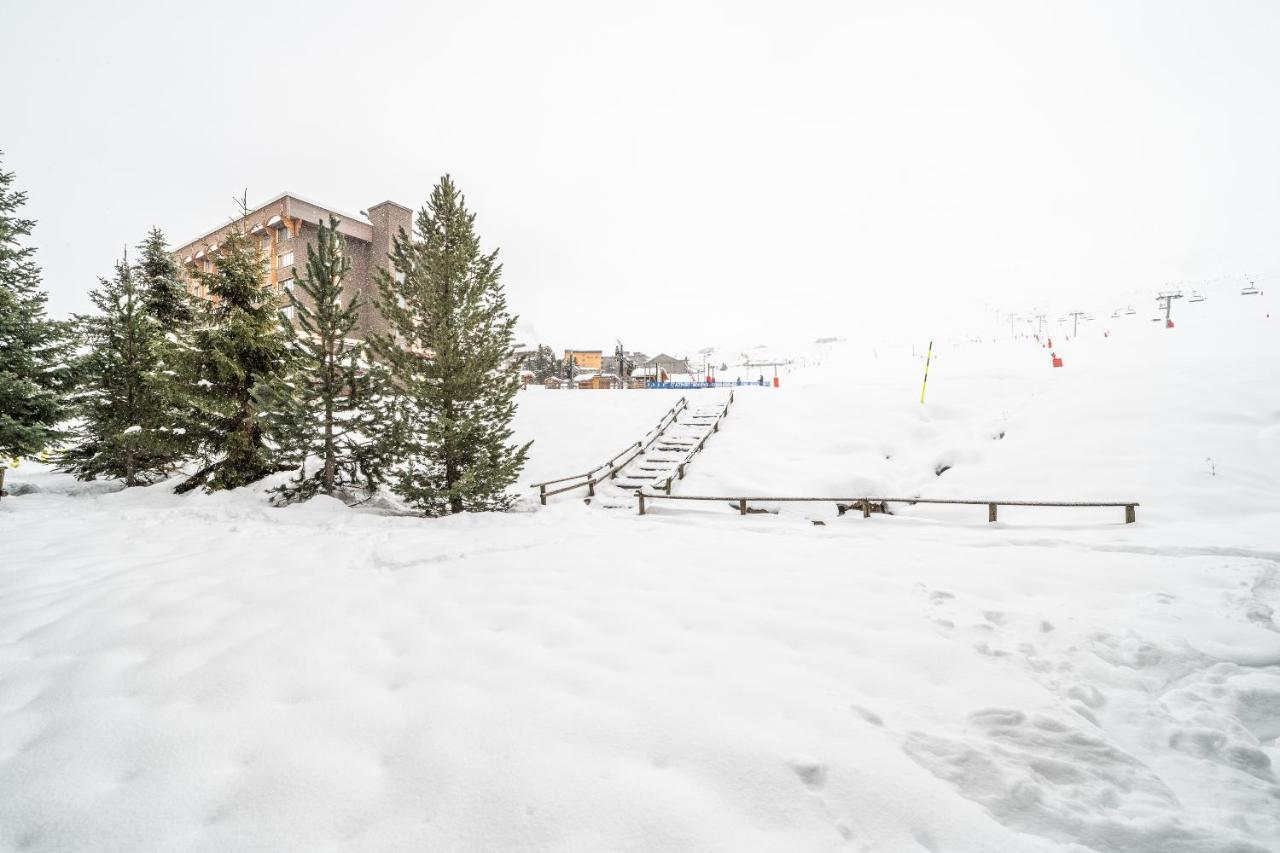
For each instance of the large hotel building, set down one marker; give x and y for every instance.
(285, 226)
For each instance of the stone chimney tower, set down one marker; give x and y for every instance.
(388, 219)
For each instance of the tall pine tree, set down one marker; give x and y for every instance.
(33, 348)
(128, 427)
(450, 343)
(315, 410)
(238, 345)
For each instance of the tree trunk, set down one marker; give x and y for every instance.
(328, 448)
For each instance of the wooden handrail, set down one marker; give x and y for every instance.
(589, 480)
(678, 472)
(866, 503)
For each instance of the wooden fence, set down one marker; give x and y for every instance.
(869, 505)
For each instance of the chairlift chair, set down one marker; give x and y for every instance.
(1250, 290)
(1130, 310)
(1196, 296)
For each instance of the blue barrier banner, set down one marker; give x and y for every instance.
(695, 385)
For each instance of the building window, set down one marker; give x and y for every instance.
(266, 242)
(286, 260)
(287, 312)
(287, 284)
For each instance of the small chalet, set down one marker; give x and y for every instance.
(668, 363)
(650, 373)
(597, 381)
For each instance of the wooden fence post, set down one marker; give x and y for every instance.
(542, 490)
(4, 468)
(742, 506)
(866, 507)
(640, 495)
(1130, 514)
(591, 488)
(991, 512)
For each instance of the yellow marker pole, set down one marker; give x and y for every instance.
(928, 357)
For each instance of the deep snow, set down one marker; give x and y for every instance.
(210, 673)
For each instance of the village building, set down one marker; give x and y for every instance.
(649, 373)
(597, 381)
(587, 359)
(610, 362)
(284, 227)
(668, 364)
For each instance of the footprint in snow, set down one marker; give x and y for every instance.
(812, 773)
(867, 714)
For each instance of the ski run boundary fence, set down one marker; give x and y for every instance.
(879, 505)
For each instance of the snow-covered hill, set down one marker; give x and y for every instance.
(209, 673)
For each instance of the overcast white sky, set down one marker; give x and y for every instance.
(678, 174)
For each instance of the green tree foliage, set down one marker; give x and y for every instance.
(543, 363)
(315, 411)
(450, 345)
(238, 344)
(165, 294)
(129, 427)
(33, 348)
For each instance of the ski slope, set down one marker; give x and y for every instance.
(206, 672)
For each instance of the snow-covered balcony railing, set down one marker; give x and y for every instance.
(868, 505)
(614, 465)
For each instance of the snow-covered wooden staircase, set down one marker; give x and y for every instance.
(651, 464)
(664, 460)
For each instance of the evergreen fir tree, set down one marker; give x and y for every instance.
(314, 410)
(173, 312)
(543, 363)
(238, 345)
(33, 348)
(451, 339)
(167, 299)
(127, 421)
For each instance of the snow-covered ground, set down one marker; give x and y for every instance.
(209, 673)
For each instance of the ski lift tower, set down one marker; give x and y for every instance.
(1075, 321)
(1167, 300)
